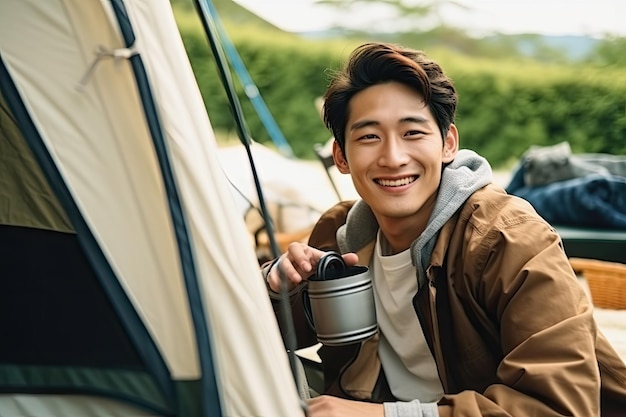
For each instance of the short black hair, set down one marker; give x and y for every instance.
(376, 63)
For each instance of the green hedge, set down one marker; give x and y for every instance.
(504, 107)
(289, 73)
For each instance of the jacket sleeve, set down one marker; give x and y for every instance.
(521, 277)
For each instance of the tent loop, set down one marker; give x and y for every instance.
(102, 52)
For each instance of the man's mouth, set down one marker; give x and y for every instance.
(397, 182)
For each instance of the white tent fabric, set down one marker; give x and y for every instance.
(300, 188)
(66, 405)
(116, 181)
(69, 63)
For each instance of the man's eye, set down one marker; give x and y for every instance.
(369, 136)
(414, 134)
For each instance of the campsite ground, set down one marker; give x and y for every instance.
(299, 190)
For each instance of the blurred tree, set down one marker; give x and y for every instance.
(419, 24)
(610, 52)
(404, 15)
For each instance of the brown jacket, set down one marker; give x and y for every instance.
(513, 333)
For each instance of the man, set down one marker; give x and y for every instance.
(479, 311)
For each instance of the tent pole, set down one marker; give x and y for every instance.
(244, 135)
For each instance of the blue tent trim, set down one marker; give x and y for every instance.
(250, 88)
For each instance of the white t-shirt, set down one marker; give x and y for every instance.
(406, 359)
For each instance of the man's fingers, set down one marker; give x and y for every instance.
(298, 264)
(288, 270)
(302, 256)
(350, 259)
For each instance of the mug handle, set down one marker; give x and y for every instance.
(308, 313)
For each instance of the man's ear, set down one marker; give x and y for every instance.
(340, 160)
(450, 144)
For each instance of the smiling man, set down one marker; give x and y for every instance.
(479, 312)
(396, 152)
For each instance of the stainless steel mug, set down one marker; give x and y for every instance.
(341, 302)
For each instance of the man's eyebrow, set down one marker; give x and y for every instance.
(409, 119)
(363, 123)
(414, 119)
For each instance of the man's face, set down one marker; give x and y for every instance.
(394, 151)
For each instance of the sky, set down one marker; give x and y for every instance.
(548, 17)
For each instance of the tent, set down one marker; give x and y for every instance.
(127, 282)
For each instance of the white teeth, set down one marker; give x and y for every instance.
(396, 183)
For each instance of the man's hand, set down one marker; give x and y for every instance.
(298, 264)
(328, 406)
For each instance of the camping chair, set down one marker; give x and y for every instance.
(324, 154)
(606, 281)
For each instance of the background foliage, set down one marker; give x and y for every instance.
(508, 101)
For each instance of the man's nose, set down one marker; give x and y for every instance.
(393, 153)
